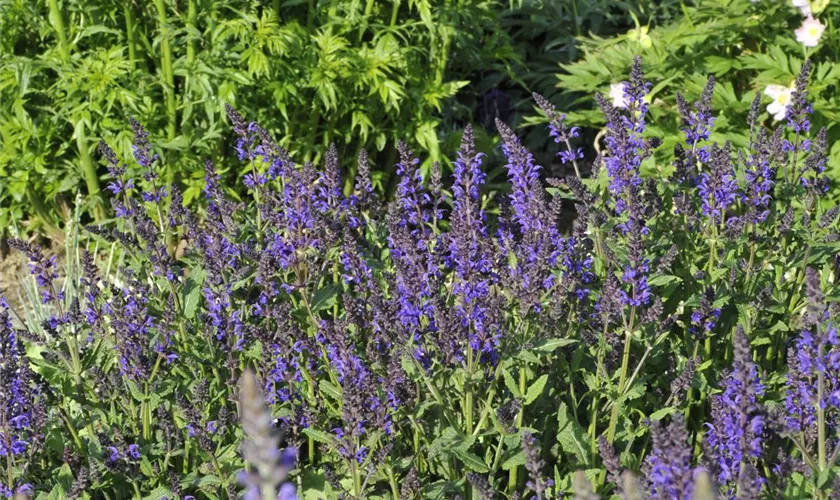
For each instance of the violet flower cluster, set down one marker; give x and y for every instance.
(735, 434)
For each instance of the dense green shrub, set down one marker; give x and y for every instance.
(683, 330)
(360, 74)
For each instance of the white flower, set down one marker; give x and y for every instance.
(810, 32)
(804, 6)
(781, 98)
(617, 95)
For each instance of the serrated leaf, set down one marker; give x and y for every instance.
(570, 435)
(511, 384)
(320, 436)
(159, 493)
(146, 467)
(65, 477)
(535, 390)
(328, 388)
(471, 460)
(526, 355)
(208, 480)
(514, 460)
(449, 441)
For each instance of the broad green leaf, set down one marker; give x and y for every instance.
(535, 390)
(570, 435)
(516, 459)
(191, 294)
(324, 298)
(550, 345)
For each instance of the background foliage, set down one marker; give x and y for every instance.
(747, 45)
(360, 73)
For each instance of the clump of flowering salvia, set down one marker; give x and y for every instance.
(671, 336)
(734, 436)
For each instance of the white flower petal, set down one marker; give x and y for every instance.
(773, 91)
(617, 95)
(810, 32)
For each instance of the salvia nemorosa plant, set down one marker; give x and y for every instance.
(673, 337)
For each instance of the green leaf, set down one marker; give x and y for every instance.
(511, 384)
(191, 293)
(314, 485)
(514, 460)
(324, 298)
(663, 279)
(530, 357)
(65, 477)
(535, 390)
(320, 436)
(328, 388)
(570, 435)
(146, 467)
(664, 412)
(471, 460)
(449, 441)
(550, 345)
(159, 493)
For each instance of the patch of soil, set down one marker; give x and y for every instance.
(14, 272)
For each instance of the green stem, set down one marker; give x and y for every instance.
(488, 403)
(443, 57)
(593, 425)
(357, 479)
(167, 73)
(468, 413)
(392, 481)
(89, 171)
(707, 355)
(310, 440)
(821, 451)
(7, 436)
(191, 15)
(145, 405)
(368, 11)
(395, 10)
(497, 457)
(73, 432)
(57, 21)
(468, 395)
(129, 33)
(514, 471)
(622, 380)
